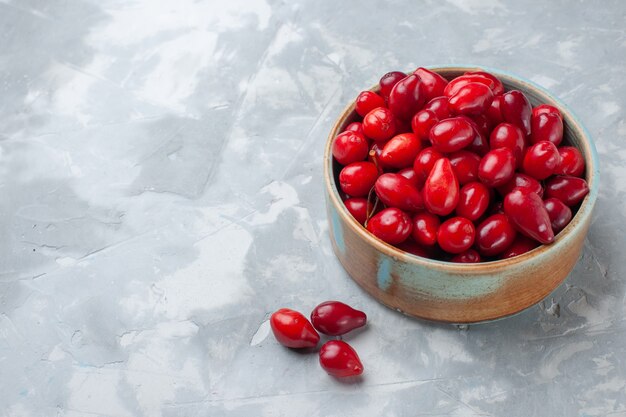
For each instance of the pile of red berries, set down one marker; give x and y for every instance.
(462, 171)
(332, 318)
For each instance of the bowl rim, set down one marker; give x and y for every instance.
(592, 177)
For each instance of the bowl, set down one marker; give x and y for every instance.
(460, 293)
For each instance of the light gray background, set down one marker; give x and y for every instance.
(161, 194)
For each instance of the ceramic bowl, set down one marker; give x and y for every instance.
(460, 293)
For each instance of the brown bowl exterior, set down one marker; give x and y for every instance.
(460, 293)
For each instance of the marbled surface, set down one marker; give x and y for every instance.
(161, 195)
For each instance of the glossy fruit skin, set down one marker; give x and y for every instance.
(407, 97)
(451, 134)
(425, 161)
(358, 207)
(465, 166)
(439, 106)
(388, 81)
(494, 235)
(390, 225)
(335, 318)
(572, 162)
(479, 145)
(349, 147)
(560, 214)
(441, 190)
(358, 178)
(409, 174)
(541, 160)
(456, 235)
(547, 126)
(425, 226)
(494, 112)
(520, 245)
(461, 81)
(473, 201)
(471, 99)
(546, 109)
(497, 87)
(570, 190)
(521, 180)
(516, 110)
(422, 122)
(527, 213)
(338, 359)
(379, 124)
(482, 123)
(470, 256)
(367, 101)
(497, 167)
(400, 151)
(355, 127)
(396, 191)
(434, 84)
(507, 135)
(293, 330)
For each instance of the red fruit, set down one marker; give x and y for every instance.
(456, 235)
(451, 134)
(396, 191)
(439, 106)
(407, 97)
(483, 124)
(521, 180)
(367, 101)
(425, 161)
(560, 214)
(465, 166)
(379, 124)
(434, 84)
(390, 225)
(335, 318)
(516, 110)
(388, 81)
(497, 167)
(497, 87)
(473, 201)
(527, 213)
(400, 151)
(355, 127)
(520, 245)
(373, 155)
(494, 112)
(479, 145)
(570, 190)
(441, 190)
(403, 126)
(547, 126)
(358, 208)
(546, 109)
(572, 162)
(338, 359)
(422, 122)
(541, 160)
(358, 178)
(349, 147)
(459, 82)
(293, 330)
(494, 235)
(470, 256)
(414, 248)
(472, 98)
(425, 226)
(409, 174)
(507, 135)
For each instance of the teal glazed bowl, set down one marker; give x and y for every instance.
(460, 293)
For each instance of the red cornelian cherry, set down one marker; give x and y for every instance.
(425, 226)
(507, 135)
(403, 126)
(494, 112)
(521, 180)
(367, 101)
(497, 87)
(355, 127)
(339, 359)
(456, 235)
(494, 235)
(335, 318)
(390, 225)
(547, 126)
(407, 97)
(459, 82)
(570, 190)
(358, 178)
(422, 122)
(415, 248)
(358, 207)
(471, 99)
(473, 201)
(497, 167)
(572, 162)
(396, 191)
(293, 330)
(465, 166)
(516, 110)
(409, 174)
(441, 190)
(482, 123)
(470, 256)
(546, 109)
(451, 134)
(425, 161)
(439, 106)
(434, 84)
(560, 214)
(520, 245)
(388, 81)
(373, 155)
(400, 151)
(541, 160)
(349, 147)
(379, 124)
(527, 213)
